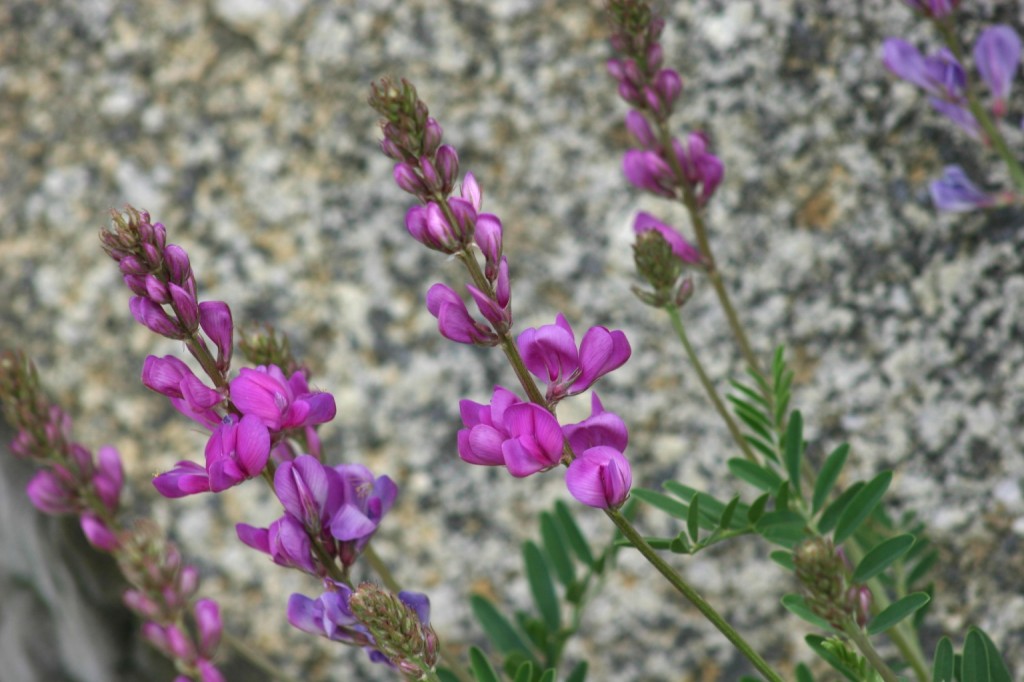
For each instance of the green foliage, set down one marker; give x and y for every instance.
(560, 569)
(481, 668)
(882, 556)
(897, 611)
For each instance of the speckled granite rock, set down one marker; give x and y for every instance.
(243, 127)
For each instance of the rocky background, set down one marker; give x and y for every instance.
(242, 126)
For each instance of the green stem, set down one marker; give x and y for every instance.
(691, 595)
(902, 635)
(689, 200)
(864, 645)
(709, 388)
(255, 657)
(995, 138)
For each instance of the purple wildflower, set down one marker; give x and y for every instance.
(453, 319)
(600, 428)
(954, 192)
(550, 353)
(997, 56)
(936, 9)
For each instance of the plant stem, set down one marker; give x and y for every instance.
(864, 645)
(709, 388)
(689, 200)
(255, 657)
(691, 595)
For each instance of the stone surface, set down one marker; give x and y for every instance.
(243, 127)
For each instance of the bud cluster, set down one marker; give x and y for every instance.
(823, 572)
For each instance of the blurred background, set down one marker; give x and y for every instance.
(243, 127)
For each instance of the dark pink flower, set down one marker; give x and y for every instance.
(237, 451)
(186, 478)
(600, 477)
(550, 353)
(600, 428)
(280, 403)
(453, 318)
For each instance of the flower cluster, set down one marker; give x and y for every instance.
(263, 420)
(72, 481)
(163, 590)
(330, 514)
(942, 76)
(522, 435)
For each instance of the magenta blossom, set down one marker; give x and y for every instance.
(453, 318)
(600, 477)
(188, 394)
(509, 432)
(280, 403)
(700, 167)
(550, 353)
(600, 428)
(237, 450)
(683, 249)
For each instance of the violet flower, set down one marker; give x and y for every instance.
(997, 56)
(954, 192)
(286, 541)
(550, 353)
(366, 500)
(600, 477)
(534, 440)
(309, 491)
(280, 403)
(329, 615)
(647, 170)
(684, 250)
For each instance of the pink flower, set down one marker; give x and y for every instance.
(600, 477)
(280, 403)
(683, 249)
(550, 353)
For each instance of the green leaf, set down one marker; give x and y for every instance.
(997, 670)
(828, 475)
(756, 510)
(974, 666)
(693, 518)
(549, 675)
(482, 669)
(942, 666)
(761, 446)
(555, 547)
(861, 506)
(803, 673)
(794, 452)
(756, 475)
(881, 557)
(573, 533)
(541, 586)
(797, 605)
(755, 421)
(725, 518)
(498, 628)
(579, 673)
(922, 567)
(680, 544)
(750, 393)
(663, 502)
(525, 672)
(785, 528)
(784, 559)
(831, 515)
(897, 611)
(782, 497)
(816, 643)
(446, 675)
